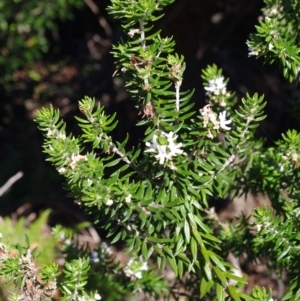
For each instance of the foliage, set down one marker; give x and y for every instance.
(35, 232)
(23, 30)
(28, 275)
(277, 38)
(155, 197)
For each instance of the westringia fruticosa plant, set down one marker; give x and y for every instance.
(277, 37)
(155, 196)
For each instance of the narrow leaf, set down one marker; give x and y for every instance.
(220, 292)
(194, 248)
(187, 231)
(205, 286)
(233, 293)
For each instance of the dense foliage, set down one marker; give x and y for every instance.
(23, 31)
(277, 37)
(155, 197)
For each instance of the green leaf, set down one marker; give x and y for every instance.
(192, 219)
(158, 249)
(233, 293)
(205, 286)
(144, 249)
(179, 244)
(149, 253)
(286, 251)
(238, 279)
(184, 258)
(168, 251)
(140, 193)
(204, 227)
(163, 262)
(173, 264)
(113, 163)
(288, 295)
(207, 271)
(27, 241)
(187, 231)
(220, 275)
(204, 252)
(158, 260)
(210, 237)
(180, 269)
(137, 245)
(194, 248)
(164, 91)
(220, 292)
(130, 246)
(216, 260)
(197, 237)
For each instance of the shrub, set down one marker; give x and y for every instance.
(154, 197)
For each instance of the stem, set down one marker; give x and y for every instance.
(10, 182)
(125, 159)
(159, 51)
(232, 157)
(116, 151)
(249, 119)
(177, 88)
(143, 42)
(142, 29)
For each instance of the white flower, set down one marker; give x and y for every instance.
(253, 53)
(109, 202)
(27, 258)
(61, 136)
(50, 132)
(274, 10)
(174, 148)
(106, 248)
(162, 155)
(128, 198)
(78, 202)
(294, 157)
(211, 120)
(135, 267)
(132, 32)
(56, 134)
(224, 122)
(167, 149)
(251, 50)
(156, 148)
(152, 146)
(216, 86)
(172, 166)
(68, 242)
(1, 235)
(209, 134)
(97, 297)
(209, 116)
(94, 257)
(75, 158)
(61, 170)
